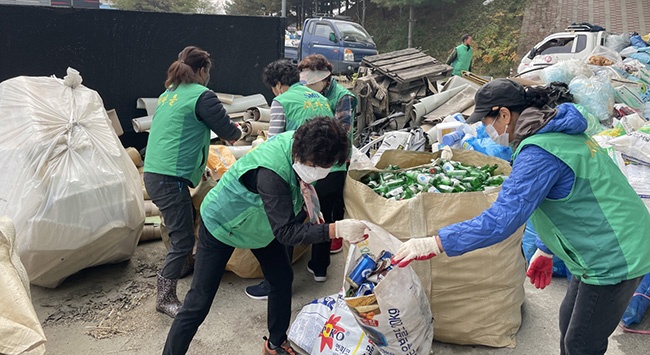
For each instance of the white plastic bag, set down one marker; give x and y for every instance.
(65, 179)
(20, 329)
(596, 94)
(635, 144)
(565, 71)
(400, 321)
(327, 327)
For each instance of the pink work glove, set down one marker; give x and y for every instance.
(540, 269)
(416, 249)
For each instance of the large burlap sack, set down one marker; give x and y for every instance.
(20, 330)
(475, 298)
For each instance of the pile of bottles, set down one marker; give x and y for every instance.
(367, 272)
(440, 176)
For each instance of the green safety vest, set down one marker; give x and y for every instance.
(300, 104)
(463, 59)
(236, 216)
(178, 142)
(601, 230)
(334, 93)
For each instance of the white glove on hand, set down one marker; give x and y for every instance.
(416, 249)
(351, 230)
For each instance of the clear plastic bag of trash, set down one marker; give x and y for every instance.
(70, 187)
(596, 94)
(603, 56)
(565, 71)
(617, 42)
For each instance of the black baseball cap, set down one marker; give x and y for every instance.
(497, 93)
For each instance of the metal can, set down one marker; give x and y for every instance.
(366, 288)
(383, 261)
(364, 266)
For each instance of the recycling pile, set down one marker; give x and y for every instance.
(439, 176)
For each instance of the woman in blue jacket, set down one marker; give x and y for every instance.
(579, 201)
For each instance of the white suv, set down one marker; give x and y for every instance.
(578, 41)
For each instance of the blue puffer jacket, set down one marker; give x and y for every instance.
(536, 175)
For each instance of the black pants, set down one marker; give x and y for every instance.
(172, 197)
(589, 314)
(330, 196)
(211, 258)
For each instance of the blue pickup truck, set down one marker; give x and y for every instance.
(344, 43)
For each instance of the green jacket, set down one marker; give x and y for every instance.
(601, 230)
(334, 93)
(463, 59)
(236, 216)
(178, 142)
(300, 104)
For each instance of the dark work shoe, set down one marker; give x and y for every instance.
(260, 291)
(318, 277)
(284, 349)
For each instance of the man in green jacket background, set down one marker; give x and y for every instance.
(461, 56)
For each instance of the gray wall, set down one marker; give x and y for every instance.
(124, 55)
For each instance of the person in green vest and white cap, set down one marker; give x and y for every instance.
(580, 203)
(176, 155)
(461, 57)
(293, 105)
(316, 73)
(261, 203)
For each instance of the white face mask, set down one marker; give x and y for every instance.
(310, 174)
(501, 139)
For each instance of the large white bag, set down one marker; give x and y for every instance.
(65, 179)
(20, 329)
(397, 316)
(327, 327)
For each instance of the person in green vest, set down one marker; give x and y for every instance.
(293, 105)
(581, 205)
(176, 155)
(259, 204)
(461, 57)
(316, 73)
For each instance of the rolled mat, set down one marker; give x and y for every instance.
(253, 128)
(141, 124)
(150, 232)
(150, 209)
(135, 156)
(260, 114)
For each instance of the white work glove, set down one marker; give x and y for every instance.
(416, 249)
(351, 230)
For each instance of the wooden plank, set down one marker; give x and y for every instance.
(393, 68)
(382, 62)
(438, 70)
(395, 54)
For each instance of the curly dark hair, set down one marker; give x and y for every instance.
(322, 141)
(282, 71)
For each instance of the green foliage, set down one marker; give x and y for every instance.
(402, 3)
(439, 25)
(188, 6)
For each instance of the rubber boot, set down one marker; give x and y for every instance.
(188, 266)
(167, 302)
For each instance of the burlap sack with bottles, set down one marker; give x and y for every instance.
(475, 298)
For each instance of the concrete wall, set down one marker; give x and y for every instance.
(124, 55)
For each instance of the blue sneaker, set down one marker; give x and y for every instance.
(260, 291)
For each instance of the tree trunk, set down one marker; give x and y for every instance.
(411, 20)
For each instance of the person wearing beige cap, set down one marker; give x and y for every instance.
(581, 205)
